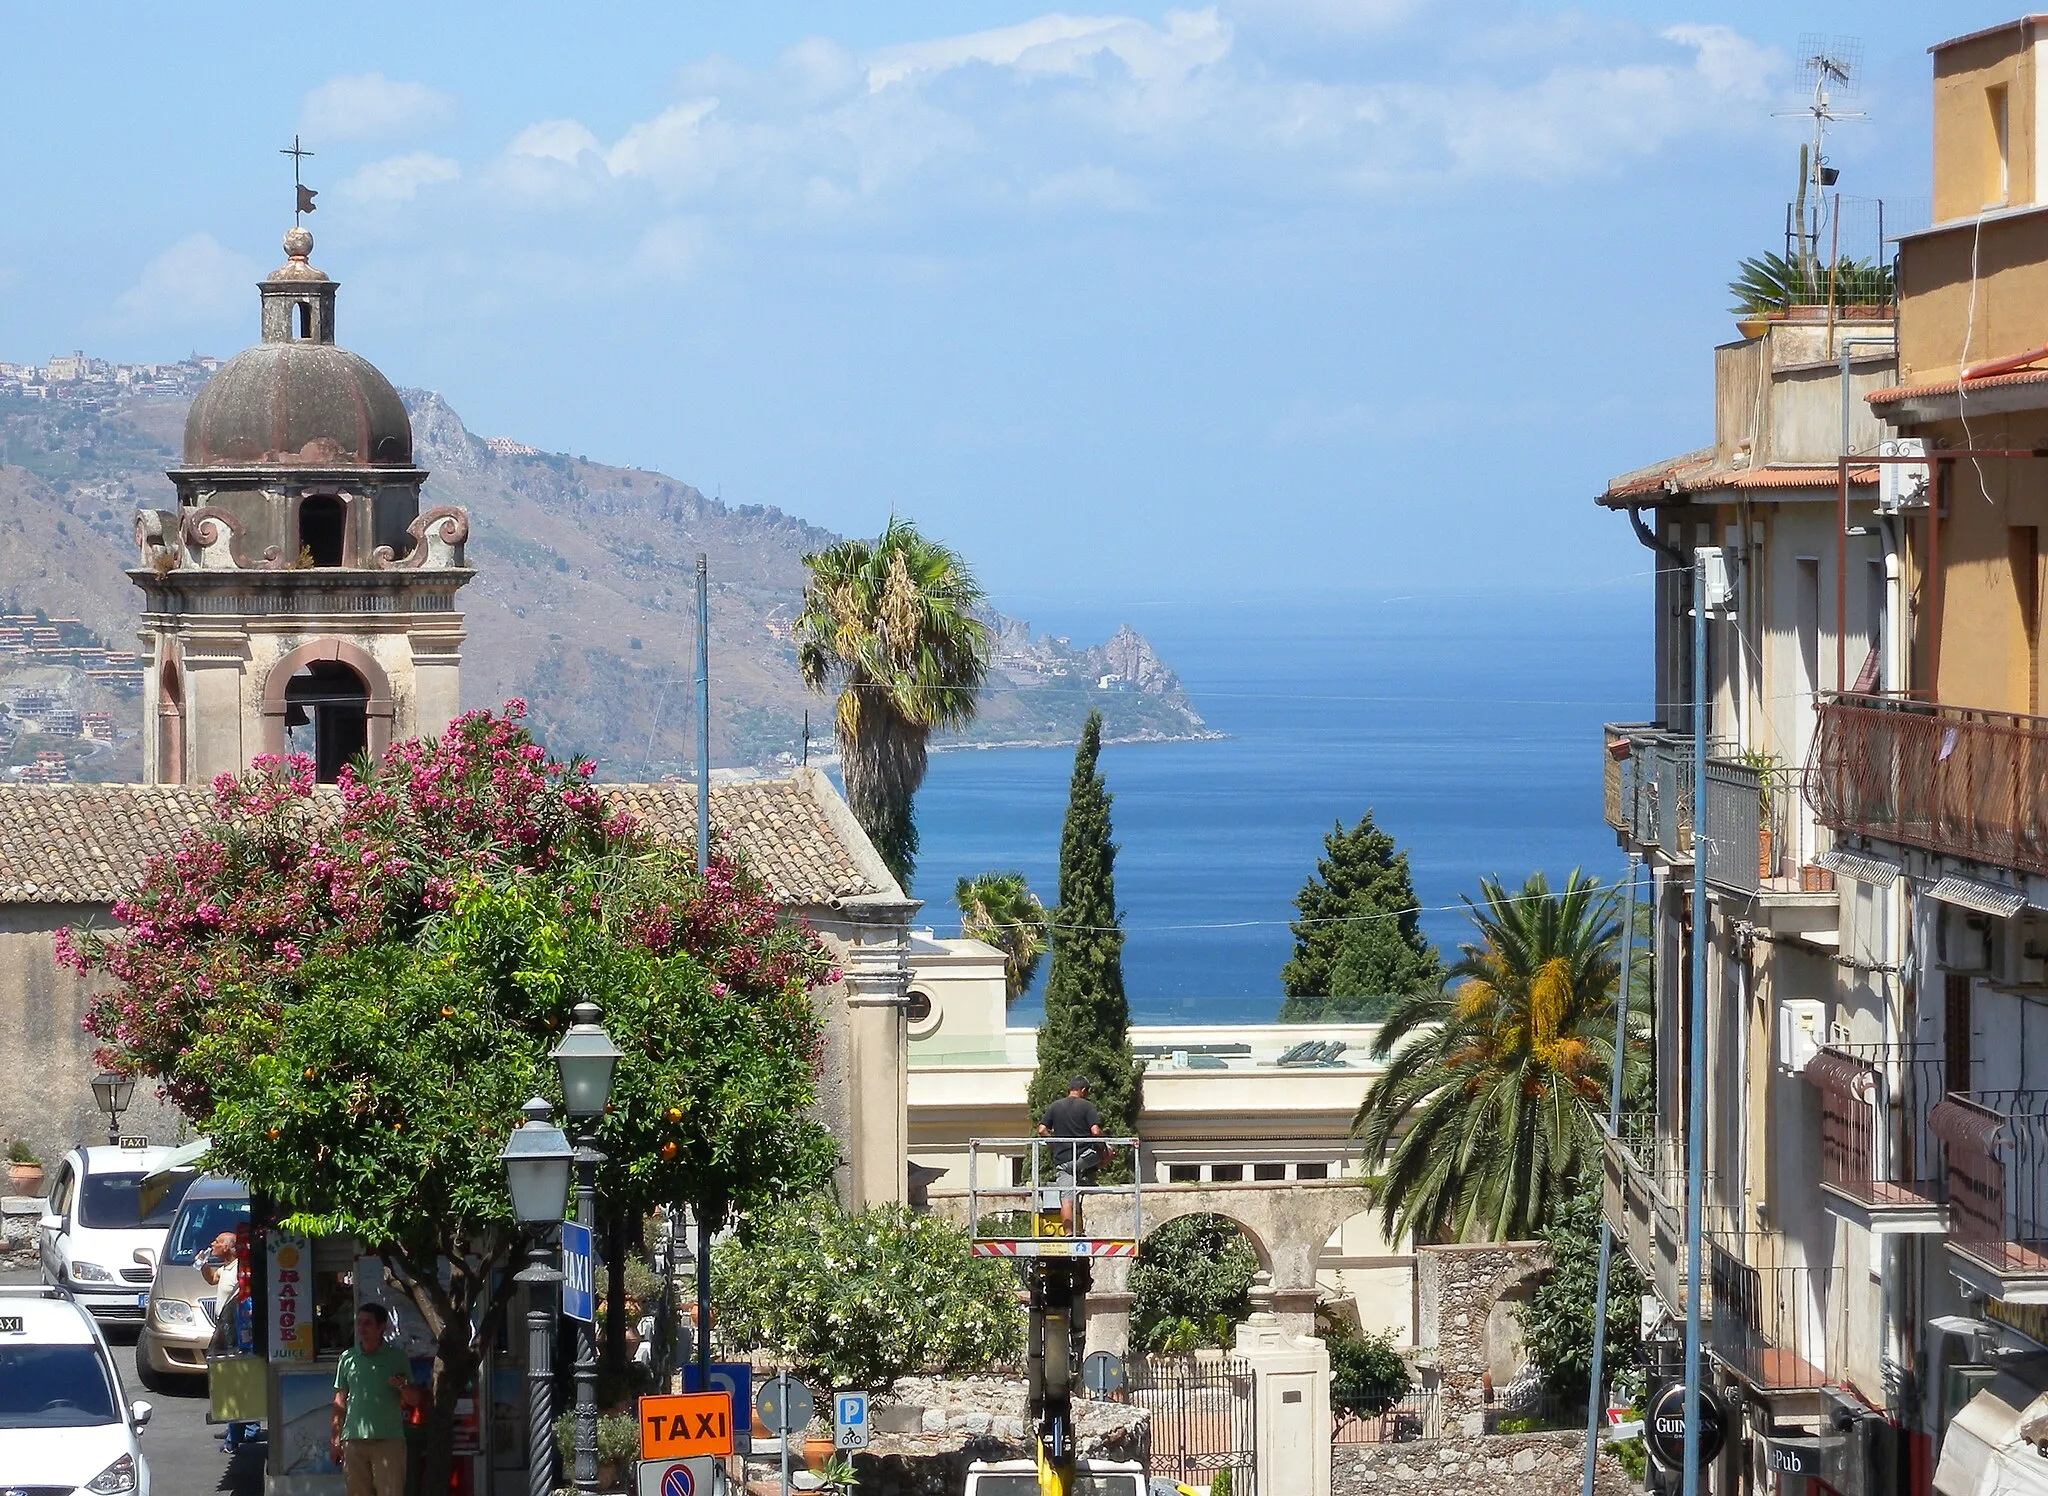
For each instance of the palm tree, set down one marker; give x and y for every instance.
(893, 620)
(1487, 1115)
(1001, 909)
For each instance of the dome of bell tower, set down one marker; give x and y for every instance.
(296, 398)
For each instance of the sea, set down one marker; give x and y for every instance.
(1468, 724)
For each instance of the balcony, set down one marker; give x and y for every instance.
(1948, 780)
(1996, 1146)
(1766, 1313)
(1877, 1157)
(1643, 1199)
(1647, 784)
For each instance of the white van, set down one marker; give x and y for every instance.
(103, 1228)
(1091, 1478)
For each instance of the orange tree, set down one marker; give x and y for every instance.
(352, 994)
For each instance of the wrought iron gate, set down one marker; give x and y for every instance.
(1203, 1419)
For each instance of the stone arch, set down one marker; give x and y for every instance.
(170, 722)
(1180, 1210)
(379, 709)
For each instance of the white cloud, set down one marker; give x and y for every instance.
(398, 179)
(669, 249)
(194, 281)
(1111, 113)
(370, 106)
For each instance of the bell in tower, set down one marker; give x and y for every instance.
(297, 599)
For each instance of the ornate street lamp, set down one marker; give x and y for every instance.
(537, 1159)
(110, 1093)
(586, 1060)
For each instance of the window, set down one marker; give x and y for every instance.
(1312, 1171)
(1183, 1173)
(918, 1007)
(199, 1223)
(54, 1386)
(327, 716)
(1269, 1171)
(1226, 1173)
(115, 1201)
(322, 520)
(305, 311)
(1998, 182)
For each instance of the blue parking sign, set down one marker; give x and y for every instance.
(736, 1380)
(849, 1420)
(579, 1274)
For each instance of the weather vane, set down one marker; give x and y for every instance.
(305, 194)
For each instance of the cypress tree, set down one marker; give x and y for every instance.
(1087, 1018)
(1359, 937)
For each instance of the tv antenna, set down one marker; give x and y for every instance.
(1833, 69)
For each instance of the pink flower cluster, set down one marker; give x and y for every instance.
(221, 927)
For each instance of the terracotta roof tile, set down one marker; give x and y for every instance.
(1696, 473)
(1939, 387)
(88, 843)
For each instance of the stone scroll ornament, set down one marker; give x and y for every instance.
(437, 540)
(208, 536)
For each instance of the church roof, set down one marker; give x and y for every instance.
(88, 843)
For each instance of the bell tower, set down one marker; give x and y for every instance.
(297, 600)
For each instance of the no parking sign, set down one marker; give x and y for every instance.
(696, 1476)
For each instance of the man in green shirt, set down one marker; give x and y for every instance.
(372, 1387)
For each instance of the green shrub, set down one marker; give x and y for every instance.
(1367, 1375)
(1195, 1271)
(20, 1152)
(861, 1300)
(618, 1438)
(1634, 1458)
(642, 1286)
(1220, 1486)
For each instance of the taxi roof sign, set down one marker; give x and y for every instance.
(678, 1425)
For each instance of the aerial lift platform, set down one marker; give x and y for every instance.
(1044, 1224)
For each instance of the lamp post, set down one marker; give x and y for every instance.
(536, 1160)
(585, 1061)
(110, 1093)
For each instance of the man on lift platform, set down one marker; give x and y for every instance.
(1073, 1116)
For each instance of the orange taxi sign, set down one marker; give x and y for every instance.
(686, 1423)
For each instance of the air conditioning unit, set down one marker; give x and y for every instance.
(1903, 485)
(1718, 579)
(1802, 1021)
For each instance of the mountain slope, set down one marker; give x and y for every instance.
(584, 603)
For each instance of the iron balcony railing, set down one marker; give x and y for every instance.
(1947, 779)
(1876, 1147)
(1647, 788)
(1767, 1312)
(1997, 1176)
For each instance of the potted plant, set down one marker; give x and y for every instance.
(1767, 766)
(618, 1446)
(818, 1446)
(1770, 288)
(24, 1169)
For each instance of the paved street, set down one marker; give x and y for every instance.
(185, 1457)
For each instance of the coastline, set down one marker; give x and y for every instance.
(1205, 736)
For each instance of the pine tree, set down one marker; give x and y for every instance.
(1359, 936)
(1087, 1018)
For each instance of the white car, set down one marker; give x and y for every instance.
(103, 1227)
(63, 1423)
(1020, 1478)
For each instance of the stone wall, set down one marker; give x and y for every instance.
(1550, 1464)
(1456, 1289)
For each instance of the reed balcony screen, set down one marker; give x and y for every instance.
(1996, 1147)
(1646, 785)
(1879, 1160)
(1947, 779)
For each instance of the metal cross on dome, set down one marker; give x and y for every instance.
(304, 200)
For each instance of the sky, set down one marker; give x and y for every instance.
(1265, 297)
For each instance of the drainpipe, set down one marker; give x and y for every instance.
(1680, 569)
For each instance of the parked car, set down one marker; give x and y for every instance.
(64, 1423)
(103, 1228)
(1020, 1478)
(178, 1320)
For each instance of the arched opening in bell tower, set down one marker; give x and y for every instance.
(327, 716)
(322, 522)
(170, 725)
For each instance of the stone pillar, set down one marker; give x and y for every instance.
(1291, 1400)
(1109, 1306)
(877, 979)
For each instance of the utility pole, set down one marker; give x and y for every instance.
(1628, 960)
(1696, 1088)
(703, 870)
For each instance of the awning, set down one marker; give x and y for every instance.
(1985, 898)
(1838, 1073)
(1984, 1454)
(1863, 868)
